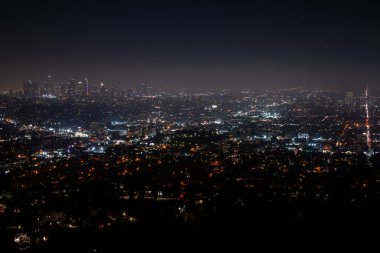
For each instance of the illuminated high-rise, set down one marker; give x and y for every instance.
(30, 88)
(48, 88)
(86, 86)
(349, 98)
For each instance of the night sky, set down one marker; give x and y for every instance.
(192, 43)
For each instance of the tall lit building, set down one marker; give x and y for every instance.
(48, 88)
(102, 89)
(349, 98)
(71, 88)
(81, 88)
(113, 90)
(30, 88)
(86, 85)
(141, 89)
(63, 89)
(68, 88)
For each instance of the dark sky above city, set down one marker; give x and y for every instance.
(192, 43)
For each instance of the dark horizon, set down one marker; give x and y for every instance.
(211, 44)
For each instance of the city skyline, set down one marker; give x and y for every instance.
(52, 84)
(214, 44)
